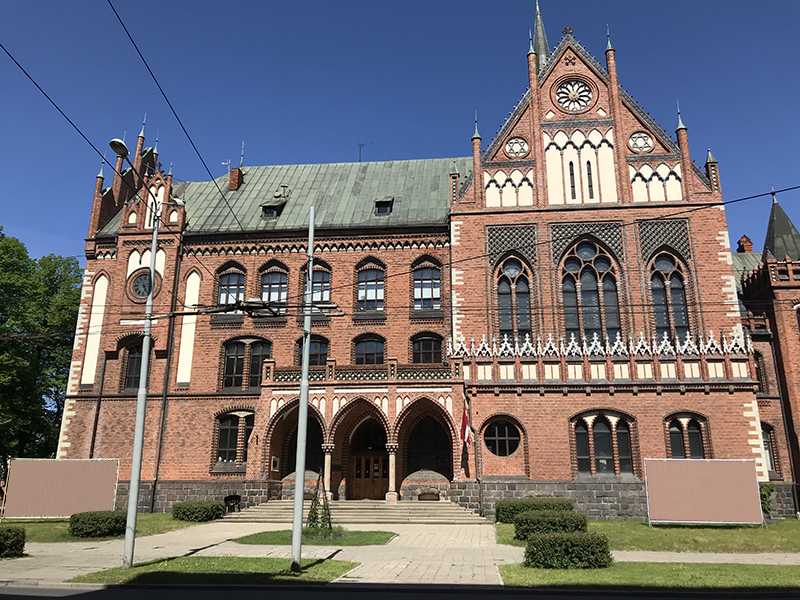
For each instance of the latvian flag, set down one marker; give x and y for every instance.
(466, 438)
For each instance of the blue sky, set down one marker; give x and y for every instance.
(309, 81)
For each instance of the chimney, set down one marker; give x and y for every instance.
(235, 178)
(745, 244)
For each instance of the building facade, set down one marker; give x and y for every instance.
(568, 289)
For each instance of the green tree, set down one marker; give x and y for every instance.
(38, 308)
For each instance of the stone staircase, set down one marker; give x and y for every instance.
(345, 512)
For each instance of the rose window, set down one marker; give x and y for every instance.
(574, 95)
(517, 147)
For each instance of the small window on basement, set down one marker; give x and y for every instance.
(384, 207)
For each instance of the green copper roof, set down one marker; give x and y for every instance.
(743, 263)
(343, 195)
(782, 238)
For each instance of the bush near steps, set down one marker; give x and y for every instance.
(198, 510)
(567, 551)
(506, 510)
(106, 523)
(548, 521)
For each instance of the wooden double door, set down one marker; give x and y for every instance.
(370, 476)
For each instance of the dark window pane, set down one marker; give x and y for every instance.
(427, 350)
(590, 303)
(572, 179)
(582, 447)
(133, 366)
(231, 288)
(766, 435)
(603, 448)
(589, 179)
(233, 373)
(680, 315)
(228, 437)
(676, 446)
(501, 437)
(275, 289)
(624, 447)
(611, 306)
(258, 352)
(523, 308)
(761, 373)
(427, 289)
(320, 288)
(369, 351)
(370, 290)
(695, 440)
(659, 305)
(570, 294)
(504, 307)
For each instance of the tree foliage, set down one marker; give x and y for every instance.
(38, 308)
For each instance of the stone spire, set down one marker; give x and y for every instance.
(783, 239)
(680, 124)
(609, 45)
(476, 134)
(540, 45)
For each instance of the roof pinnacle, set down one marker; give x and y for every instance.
(539, 41)
(530, 42)
(475, 133)
(710, 158)
(680, 119)
(144, 122)
(100, 173)
(609, 45)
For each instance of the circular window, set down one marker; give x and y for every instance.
(573, 265)
(602, 264)
(517, 147)
(586, 250)
(501, 437)
(574, 95)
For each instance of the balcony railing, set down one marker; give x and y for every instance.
(333, 373)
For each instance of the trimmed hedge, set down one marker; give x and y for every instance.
(506, 510)
(548, 521)
(97, 524)
(12, 541)
(567, 551)
(198, 510)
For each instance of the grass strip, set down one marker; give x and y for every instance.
(320, 537)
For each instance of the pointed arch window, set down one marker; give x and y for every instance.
(589, 179)
(317, 351)
(133, 366)
(771, 450)
(604, 443)
(589, 292)
(275, 289)
(513, 299)
(427, 288)
(668, 289)
(761, 372)
(370, 290)
(242, 362)
(231, 287)
(687, 436)
(572, 180)
(233, 434)
(369, 350)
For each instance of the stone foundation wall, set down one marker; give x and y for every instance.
(783, 501)
(596, 499)
(170, 492)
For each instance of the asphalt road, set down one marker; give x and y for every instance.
(368, 592)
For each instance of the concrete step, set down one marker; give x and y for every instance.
(364, 511)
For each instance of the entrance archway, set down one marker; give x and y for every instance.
(282, 447)
(429, 447)
(369, 461)
(314, 455)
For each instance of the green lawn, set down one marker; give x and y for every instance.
(629, 534)
(58, 530)
(222, 570)
(317, 537)
(657, 575)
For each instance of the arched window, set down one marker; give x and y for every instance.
(668, 289)
(275, 289)
(369, 350)
(370, 290)
(589, 292)
(686, 433)
(427, 288)
(761, 372)
(611, 448)
(258, 352)
(770, 450)
(233, 434)
(231, 287)
(320, 286)
(426, 348)
(513, 299)
(317, 351)
(589, 179)
(242, 362)
(133, 366)
(572, 179)
(501, 437)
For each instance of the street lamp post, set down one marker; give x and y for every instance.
(121, 150)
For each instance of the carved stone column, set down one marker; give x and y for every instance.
(326, 476)
(391, 495)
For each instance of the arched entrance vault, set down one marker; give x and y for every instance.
(426, 446)
(359, 453)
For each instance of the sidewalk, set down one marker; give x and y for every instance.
(420, 554)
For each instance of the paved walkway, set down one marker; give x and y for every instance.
(454, 554)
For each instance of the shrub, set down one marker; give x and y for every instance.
(506, 510)
(12, 541)
(547, 521)
(765, 491)
(198, 510)
(97, 524)
(567, 551)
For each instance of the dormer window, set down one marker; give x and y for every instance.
(384, 207)
(270, 212)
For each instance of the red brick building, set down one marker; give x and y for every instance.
(570, 284)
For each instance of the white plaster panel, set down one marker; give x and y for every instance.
(95, 330)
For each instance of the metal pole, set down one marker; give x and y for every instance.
(141, 401)
(302, 409)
